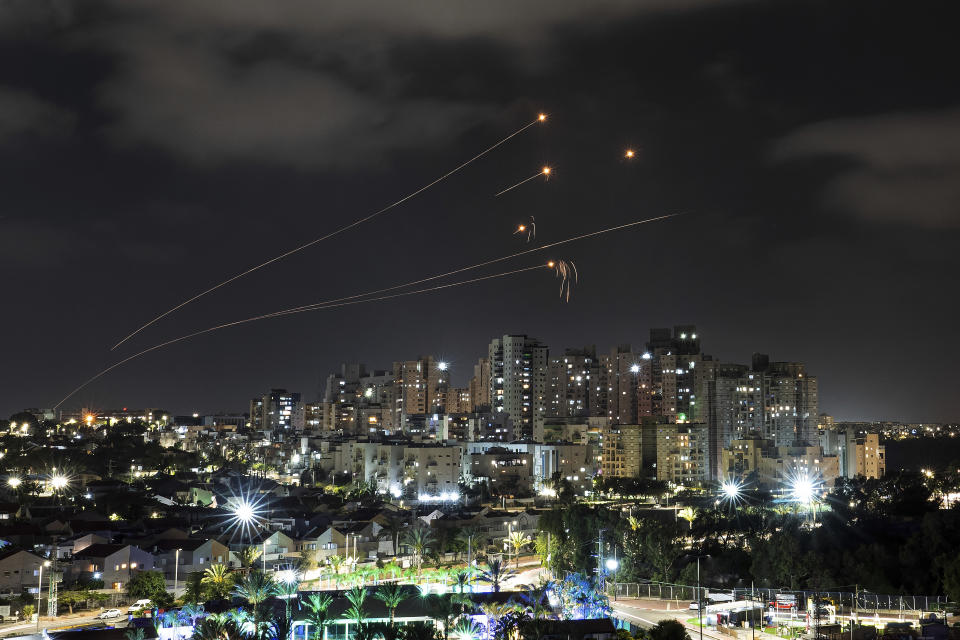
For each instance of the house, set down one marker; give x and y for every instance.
(82, 542)
(194, 555)
(277, 548)
(19, 571)
(115, 563)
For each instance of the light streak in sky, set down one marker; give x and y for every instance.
(363, 297)
(545, 173)
(540, 118)
(530, 229)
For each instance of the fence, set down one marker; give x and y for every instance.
(864, 601)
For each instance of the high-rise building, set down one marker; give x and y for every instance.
(278, 410)
(574, 380)
(421, 386)
(621, 377)
(682, 454)
(518, 382)
(480, 386)
(629, 450)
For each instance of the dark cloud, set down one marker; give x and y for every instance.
(194, 140)
(904, 168)
(22, 113)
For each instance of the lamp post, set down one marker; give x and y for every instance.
(45, 563)
(700, 597)
(176, 572)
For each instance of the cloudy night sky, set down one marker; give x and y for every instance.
(151, 149)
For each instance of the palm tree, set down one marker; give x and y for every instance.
(335, 563)
(392, 595)
(495, 574)
(356, 596)
(462, 580)
(317, 605)
(495, 611)
(287, 589)
(217, 580)
(442, 609)
(248, 556)
(419, 539)
(518, 541)
(393, 525)
(216, 627)
(689, 514)
(192, 611)
(255, 588)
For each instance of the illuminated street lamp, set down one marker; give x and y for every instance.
(46, 563)
(612, 564)
(14, 482)
(801, 489)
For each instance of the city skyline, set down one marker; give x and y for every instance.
(152, 152)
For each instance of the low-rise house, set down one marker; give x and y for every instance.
(194, 555)
(19, 572)
(115, 563)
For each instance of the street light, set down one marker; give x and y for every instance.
(176, 571)
(46, 563)
(700, 597)
(14, 482)
(731, 490)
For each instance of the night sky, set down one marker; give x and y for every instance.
(149, 150)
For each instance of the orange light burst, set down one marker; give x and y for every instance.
(546, 171)
(629, 153)
(522, 228)
(542, 117)
(551, 264)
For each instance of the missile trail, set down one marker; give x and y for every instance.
(468, 268)
(290, 312)
(540, 118)
(354, 299)
(545, 172)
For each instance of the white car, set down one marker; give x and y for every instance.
(140, 605)
(694, 605)
(110, 613)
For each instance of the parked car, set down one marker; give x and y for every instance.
(140, 605)
(695, 605)
(110, 613)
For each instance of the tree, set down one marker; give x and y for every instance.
(495, 574)
(256, 587)
(74, 597)
(193, 587)
(135, 634)
(518, 541)
(248, 556)
(217, 627)
(495, 611)
(669, 630)
(419, 539)
(391, 528)
(317, 605)
(442, 609)
(147, 584)
(356, 596)
(216, 579)
(392, 595)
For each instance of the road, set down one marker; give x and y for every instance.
(60, 622)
